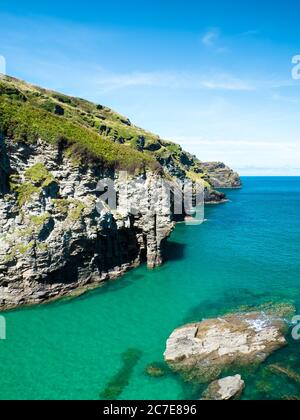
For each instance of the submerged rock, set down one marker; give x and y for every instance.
(291, 398)
(202, 351)
(156, 370)
(284, 371)
(225, 389)
(276, 309)
(121, 379)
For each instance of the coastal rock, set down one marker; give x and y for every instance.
(202, 351)
(57, 235)
(221, 176)
(225, 389)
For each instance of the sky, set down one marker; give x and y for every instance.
(214, 76)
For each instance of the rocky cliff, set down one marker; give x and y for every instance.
(57, 232)
(54, 236)
(221, 176)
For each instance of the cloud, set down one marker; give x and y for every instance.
(210, 38)
(168, 79)
(247, 157)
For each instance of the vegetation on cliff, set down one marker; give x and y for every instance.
(90, 132)
(24, 117)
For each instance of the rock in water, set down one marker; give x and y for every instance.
(285, 371)
(225, 389)
(202, 351)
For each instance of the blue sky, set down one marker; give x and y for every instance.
(214, 76)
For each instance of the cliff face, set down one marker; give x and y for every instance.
(102, 123)
(54, 239)
(221, 176)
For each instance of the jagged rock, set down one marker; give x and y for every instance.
(225, 389)
(221, 176)
(53, 239)
(202, 351)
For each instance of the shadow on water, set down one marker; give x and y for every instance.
(173, 251)
(121, 379)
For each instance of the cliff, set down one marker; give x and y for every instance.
(54, 237)
(221, 176)
(53, 114)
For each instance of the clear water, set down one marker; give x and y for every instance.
(246, 253)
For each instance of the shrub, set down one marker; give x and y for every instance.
(25, 122)
(39, 175)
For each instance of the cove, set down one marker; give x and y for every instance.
(246, 254)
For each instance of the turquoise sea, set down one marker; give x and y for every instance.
(246, 253)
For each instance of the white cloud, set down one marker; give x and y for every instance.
(108, 82)
(248, 157)
(210, 38)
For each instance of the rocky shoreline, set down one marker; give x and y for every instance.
(54, 151)
(53, 241)
(57, 241)
(203, 352)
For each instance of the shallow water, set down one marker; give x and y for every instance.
(247, 253)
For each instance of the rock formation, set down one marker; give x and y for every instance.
(221, 176)
(55, 238)
(225, 389)
(202, 351)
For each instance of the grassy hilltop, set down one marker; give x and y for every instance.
(91, 131)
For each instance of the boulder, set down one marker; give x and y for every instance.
(203, 351)
(229, 388)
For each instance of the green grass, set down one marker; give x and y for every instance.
(24, 122)
(70, 208)
(38, 221)
(20, 248)
(39, 175)
(78, 207)
(25, 191)
(92, 132)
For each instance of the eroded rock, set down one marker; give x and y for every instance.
(225, 389)
(56, 234)
(202, 351)
(221, 176)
